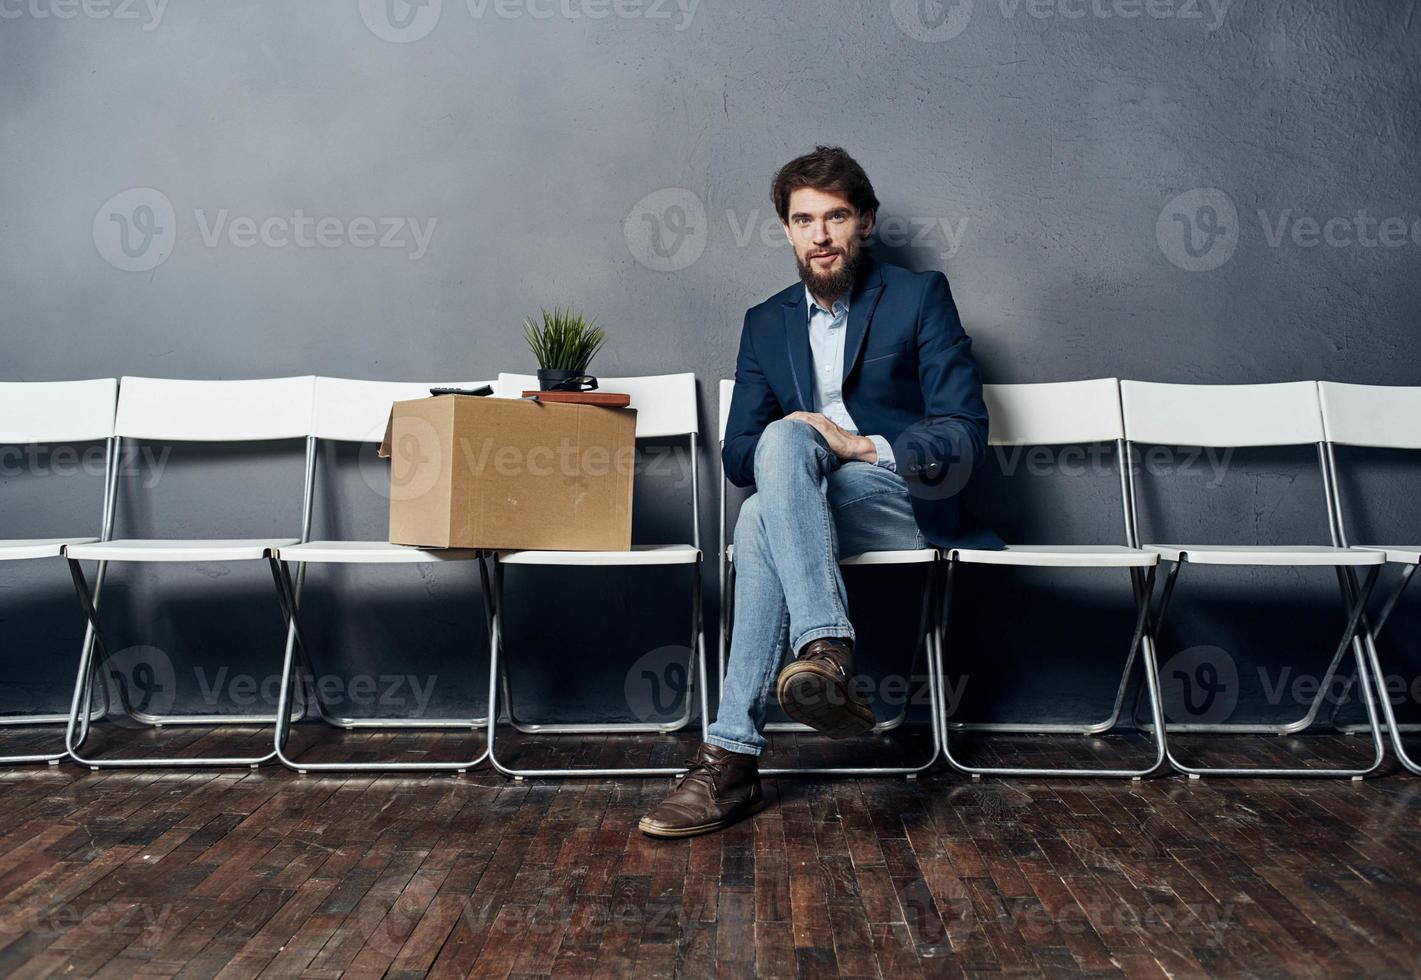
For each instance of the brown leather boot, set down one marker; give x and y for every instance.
(720, 788)
(815, 690)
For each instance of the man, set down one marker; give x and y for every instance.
(857, 415)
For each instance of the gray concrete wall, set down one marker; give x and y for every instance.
(364, 189)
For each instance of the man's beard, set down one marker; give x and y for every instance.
(831, 285)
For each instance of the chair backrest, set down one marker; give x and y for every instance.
(1381, 416)
(56, 411)
(1054, 413)
(1283, 414)
(347, 410)
(727, 389)
(215, 411)
(665, 403)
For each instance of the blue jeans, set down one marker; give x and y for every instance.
(809, 508)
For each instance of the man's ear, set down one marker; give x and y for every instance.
(866, 224)
(788, 237)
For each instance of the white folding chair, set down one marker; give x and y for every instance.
(1058, 414)
(1259, 415)
(33, 413)
(928, 631)
(1378, 417)
(355, 411)
(215, 412)
(666, 408)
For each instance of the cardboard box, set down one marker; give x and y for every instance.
(503, 473)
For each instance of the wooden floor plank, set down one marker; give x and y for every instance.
(135, 874)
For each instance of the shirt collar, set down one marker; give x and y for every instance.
(841, 305)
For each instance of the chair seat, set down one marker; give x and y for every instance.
(12, 549)
(370, 553)
(1400, 554)
(1061, 556)
(641, 554)
(909, 557)
(1265, 554)
(159, 549)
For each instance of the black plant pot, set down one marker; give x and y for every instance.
(558, 379)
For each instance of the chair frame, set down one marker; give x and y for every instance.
(288, 587)
(106, 524)
(1142, 583)
(1365, 640)
(1354, 605)
(95, 653)
(696, 668)
(928, 648)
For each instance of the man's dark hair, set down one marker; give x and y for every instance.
(828, 168)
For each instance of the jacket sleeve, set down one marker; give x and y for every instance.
(951, 441)
(752, 407)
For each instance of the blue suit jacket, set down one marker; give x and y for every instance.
(908, 376)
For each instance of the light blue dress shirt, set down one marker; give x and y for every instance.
(826, 343)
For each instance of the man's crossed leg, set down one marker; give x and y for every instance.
(809, 509)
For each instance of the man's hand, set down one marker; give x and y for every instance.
(842, 443)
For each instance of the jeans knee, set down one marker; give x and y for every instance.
(749, 526)
(784, 440)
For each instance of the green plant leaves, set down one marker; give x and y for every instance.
(564, 340)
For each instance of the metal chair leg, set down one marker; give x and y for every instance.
(616, 728)
(495, 649)
(1144, 591)
(282, 574)
(1355, 609)
(87, 663)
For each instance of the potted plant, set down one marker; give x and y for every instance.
(564, 343)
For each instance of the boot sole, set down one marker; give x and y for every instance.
(807, 695)
(671, 833)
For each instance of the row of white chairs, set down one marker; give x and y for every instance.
(1084, 412)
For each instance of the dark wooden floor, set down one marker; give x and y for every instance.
(245, 873)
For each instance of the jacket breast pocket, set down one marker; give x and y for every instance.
(872, 354)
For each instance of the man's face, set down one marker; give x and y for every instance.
(828, 235)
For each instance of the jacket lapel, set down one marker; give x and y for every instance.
(796, 316)
(861, 307)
